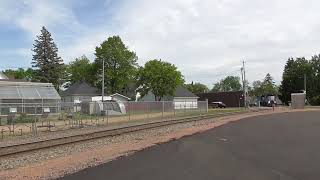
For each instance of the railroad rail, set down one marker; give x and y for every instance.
(42, 144)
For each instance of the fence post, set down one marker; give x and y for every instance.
(2, 133)
(162, 109)
(185, 104)
(22, 106)
(41, 105)
(207, 110)
(174, 109)
(129, 109)
(76, 118)
(107, 114)
(103, 110)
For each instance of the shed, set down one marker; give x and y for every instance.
(114, 97)
(298, 100)
(182, 98)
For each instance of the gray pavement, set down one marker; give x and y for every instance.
(274, 147)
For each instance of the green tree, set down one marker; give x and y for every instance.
(230, 83)
(257, 89)
(159, 77)
(49, 66)
(265, 87)
(120, 65)
(81, 70)
(197, 88)
(313, 81)
(293, 79)
(20, 74)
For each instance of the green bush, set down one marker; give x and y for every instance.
(23, 118)
(315, 101)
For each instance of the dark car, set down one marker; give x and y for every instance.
(218, 105)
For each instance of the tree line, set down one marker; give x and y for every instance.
(122, 72)
(296, 71)
(124, 75)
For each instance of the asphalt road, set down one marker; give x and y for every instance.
(275, 147)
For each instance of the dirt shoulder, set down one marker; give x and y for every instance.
(93, 155)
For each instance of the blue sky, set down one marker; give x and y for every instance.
(206, 39)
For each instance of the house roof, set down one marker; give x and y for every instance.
(117, 94)
(181, 92)
(184, 92)
(27, 90)
(81, 88)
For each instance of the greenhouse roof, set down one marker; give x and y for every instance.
(3, 76)
(27, 90)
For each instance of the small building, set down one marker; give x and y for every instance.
(114, 97)
(182, 98)
(298, 100)
(115, 104)
(231, 99)
(3, 76)
(79, 92)
(28, 97)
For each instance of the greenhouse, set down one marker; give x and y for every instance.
(28, 98)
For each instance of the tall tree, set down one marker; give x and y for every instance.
(265, 87)
(159, 77)
(120, 65)
(230, 83)
(293, 78)
(197, 88)
(80, 70)
(314, 90)
(49, 66)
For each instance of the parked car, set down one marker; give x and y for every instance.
(218, 105)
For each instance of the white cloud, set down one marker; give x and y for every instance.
(205, 39)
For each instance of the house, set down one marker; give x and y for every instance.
(182, 98)
(28, 97)
(79, 92)
(231, 99)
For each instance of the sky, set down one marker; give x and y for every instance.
(206, 39)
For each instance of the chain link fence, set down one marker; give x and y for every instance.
(18, 119)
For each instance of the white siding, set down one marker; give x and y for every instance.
(185, 103)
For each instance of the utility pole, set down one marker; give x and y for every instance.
(102, 80)
(305, 83)
(244, 84)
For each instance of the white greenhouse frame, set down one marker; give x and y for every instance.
(28, 97)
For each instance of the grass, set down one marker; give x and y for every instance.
(121, 120)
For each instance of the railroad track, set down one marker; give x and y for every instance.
(36, 145)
